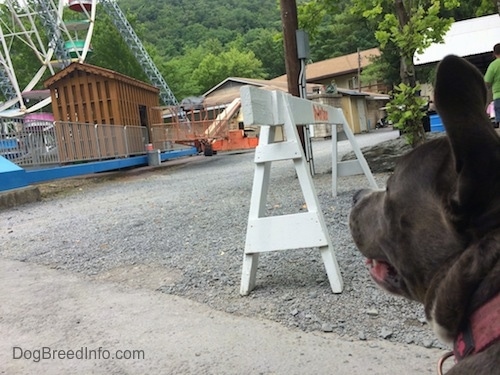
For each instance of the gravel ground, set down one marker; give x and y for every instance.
(180, 229)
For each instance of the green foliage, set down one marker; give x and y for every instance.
(187, 36)
(110, 50)
(406, 110)
(25, 68)
(178, 71)
(311, 15)
(470, 9)
(376, 11)
(329, 25)
(426, 73)
(407, 26)
(423, 27)
(201, 68)
(171, 25)
(267, 48)
(384, 68)
(232, 63)
(415, 30)
(190, 35)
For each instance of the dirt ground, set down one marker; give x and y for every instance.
(67, 186)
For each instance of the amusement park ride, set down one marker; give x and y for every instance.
(69, 41)
(35, 21)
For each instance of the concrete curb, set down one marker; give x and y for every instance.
(20, 196)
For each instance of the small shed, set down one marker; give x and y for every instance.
(90, 94)
(361, 109)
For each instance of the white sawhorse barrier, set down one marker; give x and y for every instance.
(270, 109)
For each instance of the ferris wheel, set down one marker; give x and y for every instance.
(57, 32)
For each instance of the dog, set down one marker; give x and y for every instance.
(433, 234)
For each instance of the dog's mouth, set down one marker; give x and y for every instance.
(385, 275)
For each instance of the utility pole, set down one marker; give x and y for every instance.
(359, 70)
(290, 25)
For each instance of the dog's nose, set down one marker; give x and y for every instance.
(358, 195)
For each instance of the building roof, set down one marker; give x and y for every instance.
(96, 70)
(230, 81)
(337, 66)
(464, 38)
(229, 89)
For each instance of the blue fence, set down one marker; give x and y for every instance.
(12, 176)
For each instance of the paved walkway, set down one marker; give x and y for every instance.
(47, 308)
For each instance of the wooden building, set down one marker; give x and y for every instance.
(361, 109)
(343, 71)
(85, 93)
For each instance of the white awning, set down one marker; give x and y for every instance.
(465, 38)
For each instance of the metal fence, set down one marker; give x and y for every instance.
(40, 143)
(83, 142)
(192, 126)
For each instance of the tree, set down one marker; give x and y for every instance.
(411, 26)
(267, 46)
(110, 50)
(383, 68)
(470, 9)
(171, 25)
(178, 71)
(329, 25)
(232, 63)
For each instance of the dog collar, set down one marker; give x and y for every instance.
(482, 330)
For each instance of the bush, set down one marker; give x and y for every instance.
(406, 110)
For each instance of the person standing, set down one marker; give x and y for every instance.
(492, 79)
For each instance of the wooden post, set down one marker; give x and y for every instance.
(290, 25)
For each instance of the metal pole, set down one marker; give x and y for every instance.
(303, 55)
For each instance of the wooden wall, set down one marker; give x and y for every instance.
(86, 97)
(136, 104)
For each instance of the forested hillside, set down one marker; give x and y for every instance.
(201, 42)
(174, 26)
(198, 43)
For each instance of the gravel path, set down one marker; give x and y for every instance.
(180, 230)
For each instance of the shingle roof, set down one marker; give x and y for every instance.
(229, 89)
(212, 97)
(336, 66)
(249, 81)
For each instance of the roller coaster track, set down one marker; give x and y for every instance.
(130, 37)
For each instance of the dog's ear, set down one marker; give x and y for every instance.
(460, 98)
